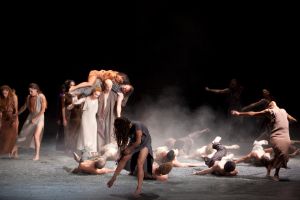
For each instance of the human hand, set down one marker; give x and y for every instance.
(33, 120)
(126, 151)
(111, 182)
(235, 113)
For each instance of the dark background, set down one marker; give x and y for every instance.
(160, 45)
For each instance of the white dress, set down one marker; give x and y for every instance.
(87, 138)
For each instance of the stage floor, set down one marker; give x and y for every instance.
(49, 178)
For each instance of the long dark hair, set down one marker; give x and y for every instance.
(122, 126)
(9, 101)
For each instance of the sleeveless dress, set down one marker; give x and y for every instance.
(26, 137)
(131, 165)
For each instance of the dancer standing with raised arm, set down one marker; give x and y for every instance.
(279, 138)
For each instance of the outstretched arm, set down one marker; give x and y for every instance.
(218, 91)
(253, 105)
(250, 113)
(291, 118)
(23, 108)
(232, 173)
(197, 133)
(205, 171)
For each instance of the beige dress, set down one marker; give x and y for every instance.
(26, 136)
(87, 138)
(280, 137)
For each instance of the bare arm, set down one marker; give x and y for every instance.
(63, 110)
(197, 133)
(78, 101)
(251, 113)
(23, 108)
(205, 171)
(232, 173)
(218, 91)
(132, 146)
(291, 118)
(253, 105)
(104, 171)
(15, 106)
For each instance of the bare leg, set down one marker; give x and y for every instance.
(140, 170)
(269, 168)
(243, 159)
(119, 104)
(120, 166)
(276, 175)
(269, 150)
(37, 141)
(196, 134)
(91, 81)
(176, 163)
(14, 152)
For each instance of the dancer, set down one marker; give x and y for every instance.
(117, 77)
(279, 138)
(90, 164)
(32, 130)
(233, 92)
(136, 152)
(8, 120)
(163, 155)
(209, 151)
(258, 155)
(223, 167)
(88, 130)
(184, 144)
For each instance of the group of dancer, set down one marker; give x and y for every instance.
(95, 130)
(32, 130)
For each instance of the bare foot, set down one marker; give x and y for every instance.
(137, 193)
(15, 156)
(275, 178)
(36, 158)
(14, 153)
(111, 182)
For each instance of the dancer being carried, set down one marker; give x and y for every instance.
(102, 75)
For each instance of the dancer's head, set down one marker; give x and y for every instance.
(229, 166)
(100, 162)
(164, 168)
(265, 159)
(121, 129)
